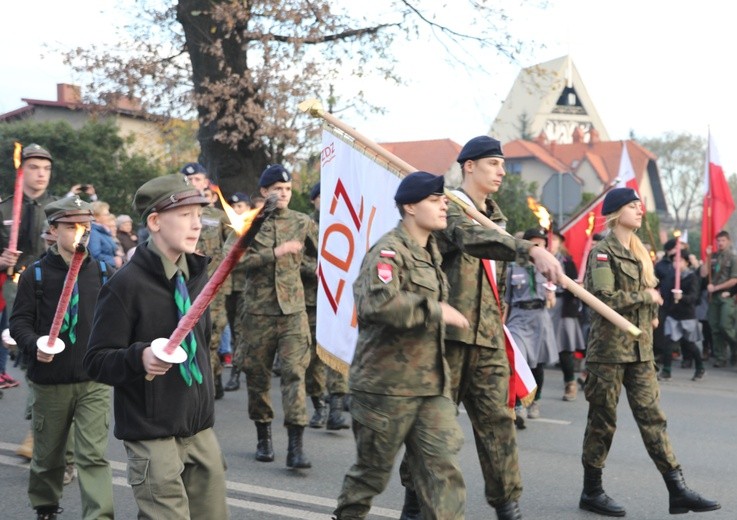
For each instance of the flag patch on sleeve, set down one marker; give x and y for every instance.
(385, 272)
(385, 253)
(602, 257)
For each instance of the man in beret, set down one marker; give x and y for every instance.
(275, 317)
(240, 202)
(63, 392)
(175, 465)
(399, 379)
(476, 355)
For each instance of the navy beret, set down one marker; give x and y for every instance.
(480, 147)
(418, 186)
(616, 198)
(193, 168)
(670, 244)
(315, 191)
(537, 232)
(274, 173)
(240, 197)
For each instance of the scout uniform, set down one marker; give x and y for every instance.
(63, 393)
(722, 311)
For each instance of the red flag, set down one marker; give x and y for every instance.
(718, 201)
(575, 230)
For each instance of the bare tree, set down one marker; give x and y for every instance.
(244, 66)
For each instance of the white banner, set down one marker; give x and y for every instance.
(357, 208)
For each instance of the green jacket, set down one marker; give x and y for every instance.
(463, 243)
(400, 348)
(615, 277)
(723, 266)
(31, 244)
(212, 236)
(273, 285)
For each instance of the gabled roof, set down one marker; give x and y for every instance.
(434, 155)
(520, 149)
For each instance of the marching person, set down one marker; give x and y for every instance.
(620, 273)
(399, 378)
(175, 466)
(65, 401)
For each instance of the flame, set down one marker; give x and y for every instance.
(79, 233)
(540, 212)
(592, 220)
(240, 223)
(16, 154)
(676, 234)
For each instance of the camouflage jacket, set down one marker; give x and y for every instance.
(463, 243)
(615, 277)
(31, 244)
(309, 273)
(212, 236)
(723, 266)
(400, 349)
(237, 279)
(273, 285)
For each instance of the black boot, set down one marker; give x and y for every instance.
(264, 448)
(320, 416)
(509, 511)
(336, 421)
(295, 454)
(219, 393)
(234, 383)
(593, 497)
(411, 507)
(682, 499)
(48, 512)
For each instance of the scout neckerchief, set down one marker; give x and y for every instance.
(520, 376)
(189, 369)
(71, 316)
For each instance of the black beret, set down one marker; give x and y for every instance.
(669, 244)
(617, 198)
(315, 191)
(35, 150)
(68, 209)
(480, 147)
(537, 232)
(240, 197)
(274, 173)
(166, 192)
(193, 168)
(598, 237)
(418, 186)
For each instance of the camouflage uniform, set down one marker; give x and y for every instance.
(233, 291)
(476, 355)
(400, 381)
(616, 359)
(212, 238)
(274, 312)
(721, 313)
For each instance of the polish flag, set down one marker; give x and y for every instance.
(718, 201)
(626, 175)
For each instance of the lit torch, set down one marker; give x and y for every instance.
(52, 344)
(587, 247)
(17, 199)
(677, 292)
(247, 226)
(543, 217)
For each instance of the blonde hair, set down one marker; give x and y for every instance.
(638, 249)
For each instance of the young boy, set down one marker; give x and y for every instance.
(175, 465)
(62, 391)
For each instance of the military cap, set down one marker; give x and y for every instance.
(272, 174)
(193, 168)
(166, 192)
(669, 244)
(239, 196)
(68, 209)
(418, 186)
(616, 198)
(315, 191)
(480, 147)
(37, 151)
(537, 232)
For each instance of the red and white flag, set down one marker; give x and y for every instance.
(718, 201)
(576, 230)
(626, 175)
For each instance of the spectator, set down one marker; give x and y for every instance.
(128, 239)
(102, 245)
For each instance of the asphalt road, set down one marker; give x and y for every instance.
(702, 424)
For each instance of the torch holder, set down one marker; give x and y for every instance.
(158, 347)
(42, 344)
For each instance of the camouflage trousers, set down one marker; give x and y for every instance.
(603, 387)
(480, 380)
(233, 309)
(722, 315)
(320, 378)
(428, 428)
(219, 321)
(290, 336)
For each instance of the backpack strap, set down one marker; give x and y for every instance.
(103, 272)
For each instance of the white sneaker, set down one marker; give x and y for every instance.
(520, 411)
(533, 411)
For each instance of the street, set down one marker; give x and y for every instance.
(702, 421)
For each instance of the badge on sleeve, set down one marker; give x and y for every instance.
(386, 253)
(602, 257)
(385, 272)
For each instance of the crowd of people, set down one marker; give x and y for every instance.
(432, 297)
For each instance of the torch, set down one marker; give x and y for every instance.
(677, 292)
(52, 344)
(546, 222)
(17, 199)
(247, 226)
(587, 247)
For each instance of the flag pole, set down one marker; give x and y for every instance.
(315, 109)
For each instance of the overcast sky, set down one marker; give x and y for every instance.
(649, 66)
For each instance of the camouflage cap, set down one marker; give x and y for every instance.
(68, 209)
(166, 192)
(37, 151)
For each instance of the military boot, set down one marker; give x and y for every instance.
(234, 383)
(295, 454)
(336, 421)
(593, 497)
(682, 499)
(320, 416)
(264, 447)
(411, 508)
(509, 511)
(48, 512)
(219, 393)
